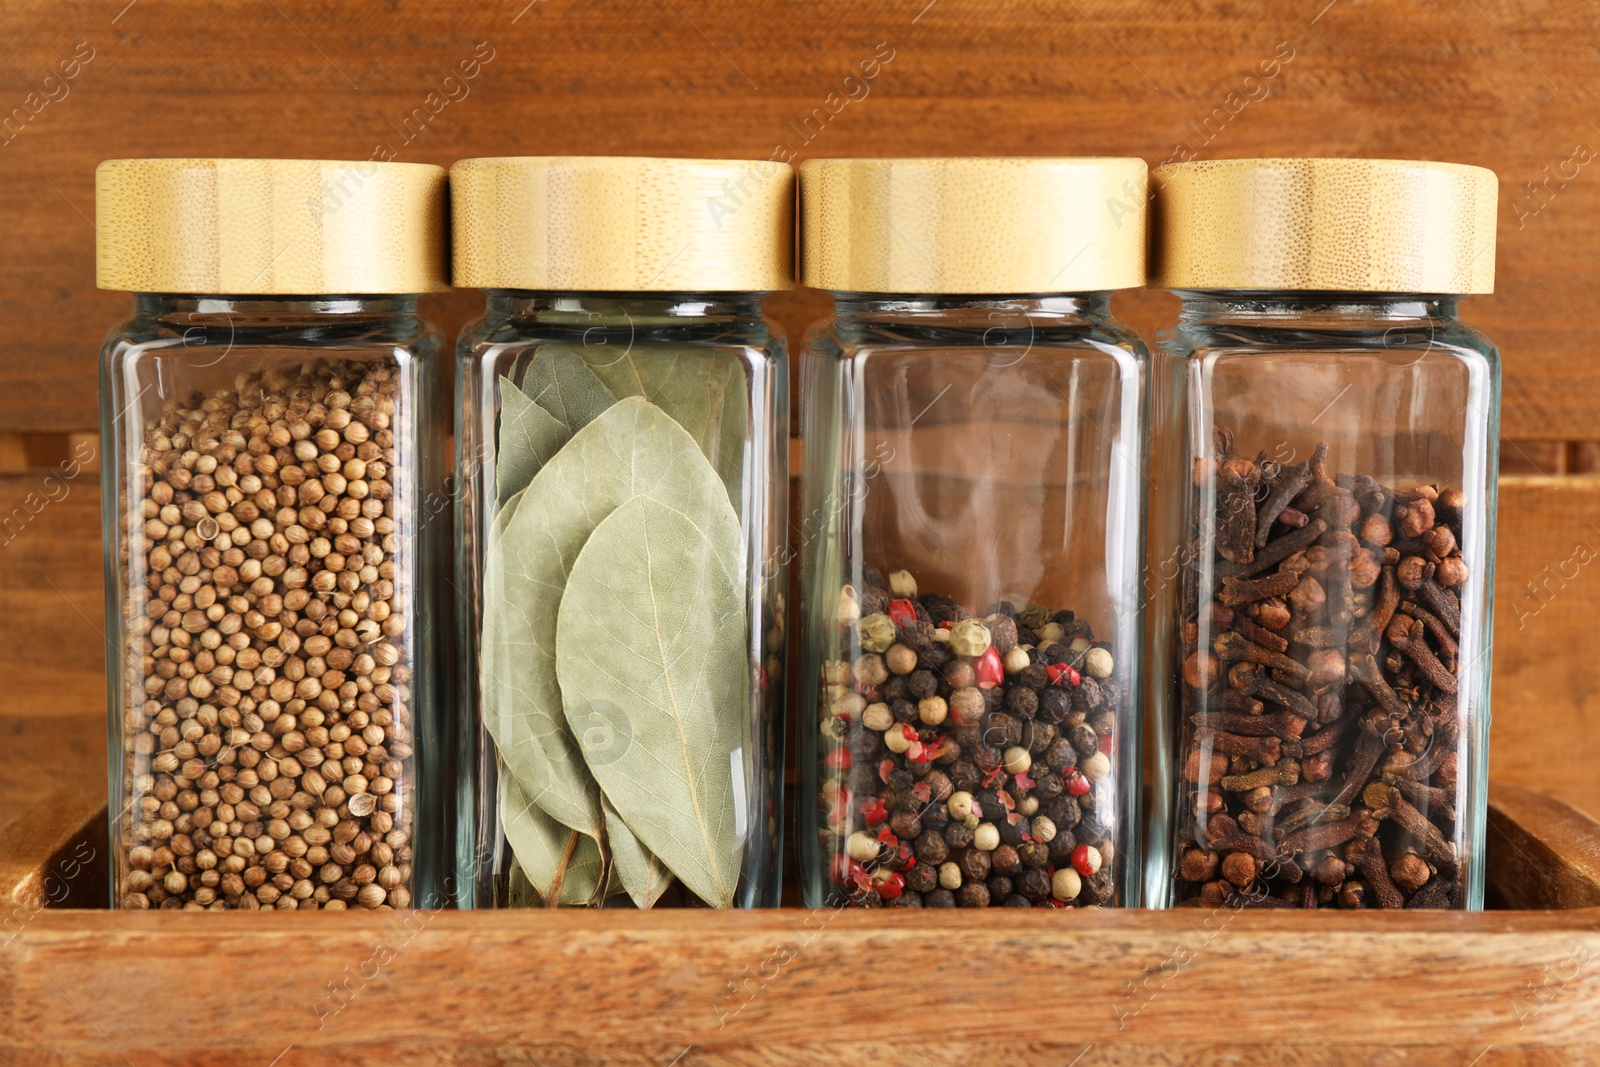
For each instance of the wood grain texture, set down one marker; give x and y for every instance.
(792, 987)
(1506, 84)
(1543, 853)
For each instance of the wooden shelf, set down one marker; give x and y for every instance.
(796, 986)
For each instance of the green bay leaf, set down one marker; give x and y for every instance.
(642, 876)
(528, 436)
(651, 636)
(704, 390)
(561, 864)
(631, 450)
(559, 380)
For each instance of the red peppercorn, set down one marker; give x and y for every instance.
(1086, 859)
(1058, 671)
(891, 887)
(876, 812)
(885, 768)
(761, 677)
(1077, 784)
(990, 670)
(1105, 743)
(902, 613)
(839, 759)
(1024, 783)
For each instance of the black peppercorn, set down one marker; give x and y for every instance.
(1005, 860)
(1002, 632)
(1001, 730)
(873, 601)
(904, 711)
(1084, 739)
(957, 834)
(1006, 608)
(1099, 886)
(1034, 853)
(1061, 847)
(1000, 887)
(1037, 736)
(905, 825)
(908, 900)
(965, 775)
(1022, 701)
(993, 699)
(900, 783)
(1026, 636)
(988, 805)
(973, 895)
(1033, 884)
(1057, 653)
(948, 753)
(1087, 696)
(894, 690)
(1061, 755)
(1053, 705)
(1012, 826)
(931, 848)
(1091, 831)
(1064, 619)
(936, 817)
(935, 658)
(1047, 786)
(918, 635)
(939, 898)
(922, 684)
(987, 757)
(1033, 676)
(922, 878)
(1103, 721)
(920, 769)
(939, 607)
(939, 785)
(1017, 900)
(974, 864)
(1064, 811)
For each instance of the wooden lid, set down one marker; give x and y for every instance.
(623, 224)
(1000, 225)
(281, 227)
(1356, 225)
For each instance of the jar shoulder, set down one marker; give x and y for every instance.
(1066, 336)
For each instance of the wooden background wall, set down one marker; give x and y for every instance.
(1507, 84)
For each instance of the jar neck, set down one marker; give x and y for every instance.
(1209, 305)
(1067, 304)
(266, 309)
(600, 308)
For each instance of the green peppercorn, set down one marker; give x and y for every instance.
(969, 637)
(1034, 616)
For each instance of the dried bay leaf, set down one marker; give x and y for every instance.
(631, 450)
(651, 632)
(643, 877)
(559, 380)
(526, 440)
(561, 864)
(703, 390)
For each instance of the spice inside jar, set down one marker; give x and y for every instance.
(1322, 735)
(967, 759)
(269, 762)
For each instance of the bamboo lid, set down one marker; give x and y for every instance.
(623, 224)
(1000, 225)
(281, 227)
(1361, 225)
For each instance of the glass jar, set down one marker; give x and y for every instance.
(270, 438)
(620, 513)
(972, 504)
(1325, 537)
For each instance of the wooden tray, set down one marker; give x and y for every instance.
(803, 987)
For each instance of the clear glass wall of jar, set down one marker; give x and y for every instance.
(621, 502)
(269, 558)
(1324, 544)
(971, 531)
